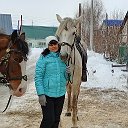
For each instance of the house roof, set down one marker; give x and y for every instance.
(38, 32)
(112, 22)
(6, 23)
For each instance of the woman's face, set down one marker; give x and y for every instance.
(53, 47)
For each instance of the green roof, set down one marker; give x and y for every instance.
(38, 32)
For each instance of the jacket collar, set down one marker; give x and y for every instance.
(54, 54)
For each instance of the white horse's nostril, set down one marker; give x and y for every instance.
(64, 57)
(64, 53)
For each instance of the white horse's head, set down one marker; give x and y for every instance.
(66, 33)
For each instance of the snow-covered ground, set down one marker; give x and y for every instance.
(101, 75)
(103, 100)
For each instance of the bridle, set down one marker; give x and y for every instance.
(5, 77)
(69, 58)
(4, 65)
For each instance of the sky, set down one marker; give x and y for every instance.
(43, 12)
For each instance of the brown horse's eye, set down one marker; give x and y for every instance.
(16, 59)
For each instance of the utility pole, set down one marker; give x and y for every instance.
(18, 27)
(80, 22)
(91, 27)
(21, 21)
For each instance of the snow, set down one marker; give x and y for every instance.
(99, 71)
(25, 111)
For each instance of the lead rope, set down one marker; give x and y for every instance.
(7, 104)
(69, 74)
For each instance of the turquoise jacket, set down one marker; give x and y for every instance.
(50, 75)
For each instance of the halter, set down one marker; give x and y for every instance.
(5, 63)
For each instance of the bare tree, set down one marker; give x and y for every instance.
(110, 35)
(98, 14)
(117, 14)
(104, 39)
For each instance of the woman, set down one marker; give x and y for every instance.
(50, 82)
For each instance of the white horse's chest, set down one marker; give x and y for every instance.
(76, 65)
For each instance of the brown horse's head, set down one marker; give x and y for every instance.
(13, 56)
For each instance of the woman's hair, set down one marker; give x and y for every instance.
(47, 51)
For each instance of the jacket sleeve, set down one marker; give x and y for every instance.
(39, 75)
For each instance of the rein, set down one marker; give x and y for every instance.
(68, 61)
(7, 104)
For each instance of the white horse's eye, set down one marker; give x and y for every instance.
(62, 44)
(66, 28)
(73, 33)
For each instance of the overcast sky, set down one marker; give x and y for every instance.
(43, 12)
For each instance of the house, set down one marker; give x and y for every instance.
(123, 31)
(123, 40)
(112, 23)
(35, 35)
(110, 42)
(110, 27)
(6, 24)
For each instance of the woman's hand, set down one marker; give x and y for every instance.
(42, 100)
(68, 70)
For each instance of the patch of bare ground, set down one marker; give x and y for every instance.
(97, 108)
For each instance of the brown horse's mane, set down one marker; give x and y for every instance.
(22, 45)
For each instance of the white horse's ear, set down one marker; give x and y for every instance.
(59, 18)
(78, 20)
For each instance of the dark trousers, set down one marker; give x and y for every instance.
(51, 112)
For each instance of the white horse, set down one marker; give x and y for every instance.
(66, 34)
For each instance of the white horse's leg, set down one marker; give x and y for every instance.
(74, 110)
(75, 91)
(69, 105)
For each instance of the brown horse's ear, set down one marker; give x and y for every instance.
(14, 35)
(22, 36)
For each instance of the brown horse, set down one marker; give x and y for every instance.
(67, 33)
(13, 57)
